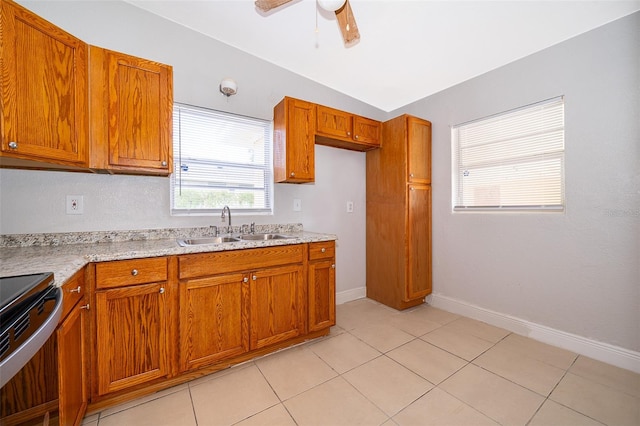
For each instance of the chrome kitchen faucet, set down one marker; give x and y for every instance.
(229, 230)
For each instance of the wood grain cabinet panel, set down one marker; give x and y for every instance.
(399, 214)
(72, 367)
(294, 123)
(322, 285)
(131, 113)
(278, 305)
(418, 150)
(213, 319)
(132, 336)
(44, 91)
(341, 129)
(419, 242)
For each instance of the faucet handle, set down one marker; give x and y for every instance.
(253, 227)
(214, 230)
(245, 228)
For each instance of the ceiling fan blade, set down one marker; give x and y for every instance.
(347, 23)
(267, 5)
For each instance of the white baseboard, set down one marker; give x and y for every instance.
(349, 295)
(614, 355)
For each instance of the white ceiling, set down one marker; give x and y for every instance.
(408, 49)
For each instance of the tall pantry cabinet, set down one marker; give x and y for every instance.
(399, 214)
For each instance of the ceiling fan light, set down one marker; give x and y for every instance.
(331, 5)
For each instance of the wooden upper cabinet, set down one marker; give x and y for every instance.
(418, 150)
(341, 129)
(131, 113)
(294, 129)
(334, 123)
(44, 91)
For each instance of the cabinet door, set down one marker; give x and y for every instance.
(72, 367)
(294, 131)
(334, 123)
(44, 90)
(131, 344)
(132, 126)
(214, 319)
(322, 294)
(418, 150)
(419, 238)
(366, 130)
(277, 305)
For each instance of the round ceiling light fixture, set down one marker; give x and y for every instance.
(228, 87)
(331, 5)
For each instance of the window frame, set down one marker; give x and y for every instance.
(266, 167)
(554, 155)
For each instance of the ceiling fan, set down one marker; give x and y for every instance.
(342, 9)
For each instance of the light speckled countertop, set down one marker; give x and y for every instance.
(64, 260)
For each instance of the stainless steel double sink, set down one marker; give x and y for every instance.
(186, 242)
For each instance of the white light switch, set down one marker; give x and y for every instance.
(297, 205)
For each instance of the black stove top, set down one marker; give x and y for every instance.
(13, 289)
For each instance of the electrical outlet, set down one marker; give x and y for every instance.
(349, 206)
(297, 205)
(75, 204)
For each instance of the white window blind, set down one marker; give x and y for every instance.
(220, 159)
(511, 161)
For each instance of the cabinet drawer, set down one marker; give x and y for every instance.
(198, 265)
(322, 250)
(72, 290)
(130, 272)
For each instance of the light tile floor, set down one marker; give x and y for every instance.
(380, 366)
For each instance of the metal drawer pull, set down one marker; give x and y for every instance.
(323, 249)
(245, 280)
(161, 290)
(164, 163)
(85, 307)
(254, 278)
(13, 145)
(333, 266)
(75, 290)
(134, 272)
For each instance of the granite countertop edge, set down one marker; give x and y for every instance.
(64, 260)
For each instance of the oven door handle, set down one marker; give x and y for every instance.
(17, 359)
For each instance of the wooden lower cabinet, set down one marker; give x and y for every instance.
(213, 319)
(278, 307)
(131, 336)
(322, 285)
(72, 367)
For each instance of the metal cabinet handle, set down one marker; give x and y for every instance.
(292, 174)
(410, 174)
(164, 163)
(357, 136)
(75, 290)
(333, 266)
(13, 145)
(348, 133)
(134, 272)
(245, 280)
(323, 250)
(254, 277)
(85, 307)
(161, 290)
